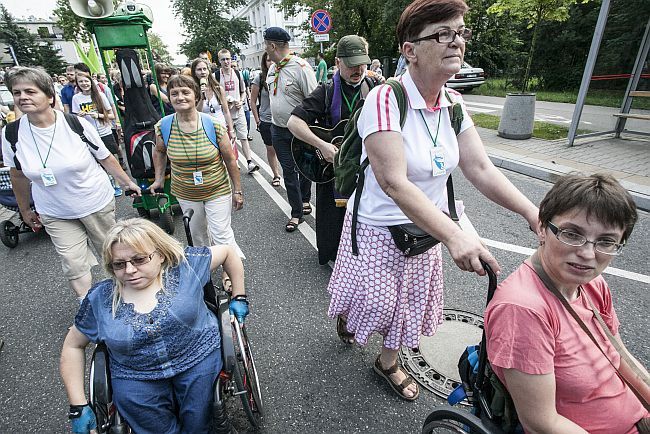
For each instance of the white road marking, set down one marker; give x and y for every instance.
(479, 110)
(464, 223)
(482, 104)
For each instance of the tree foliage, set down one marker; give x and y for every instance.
(533, 13)
(159, 49)
(206, 27)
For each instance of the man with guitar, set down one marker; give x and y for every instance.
(318, 122)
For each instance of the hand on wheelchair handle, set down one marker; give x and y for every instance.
(239, 308)
(83, 419)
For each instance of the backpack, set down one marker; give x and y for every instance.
(11, 133)
(206, 122)
(498, 400)
(349, 170)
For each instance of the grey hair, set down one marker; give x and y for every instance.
(37, 76)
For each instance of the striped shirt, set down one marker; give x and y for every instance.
(193, 152)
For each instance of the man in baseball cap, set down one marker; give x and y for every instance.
(353, 51)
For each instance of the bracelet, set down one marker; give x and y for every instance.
(240, 297)
(238, 192)
(75, 411)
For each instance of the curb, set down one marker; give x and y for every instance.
(547, 174)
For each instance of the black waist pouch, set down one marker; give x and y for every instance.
(411, 240)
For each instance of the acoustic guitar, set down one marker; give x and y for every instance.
(308, 158)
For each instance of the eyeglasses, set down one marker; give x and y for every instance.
(570, 238)
(447, 35)
(223, 59)
(135, 261)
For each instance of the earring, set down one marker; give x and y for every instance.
(541, 242)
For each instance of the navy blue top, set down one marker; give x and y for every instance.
(176, 335)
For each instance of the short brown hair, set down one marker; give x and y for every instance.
(600, 195)
(36, 76)
(421, 13)
(184, 81)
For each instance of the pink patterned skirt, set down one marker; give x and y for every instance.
(383, 291)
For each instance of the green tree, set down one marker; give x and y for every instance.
(375, 20)
(533, 13)
(159, 49)
(206, 27)
(23, 42)
(50, 59)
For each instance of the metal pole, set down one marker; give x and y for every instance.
(634, 79)
(13, 54)
(589, 70)
(321, 47)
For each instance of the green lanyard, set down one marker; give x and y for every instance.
(196, 148)
(36, 144)
(354, 100)
(427, 127)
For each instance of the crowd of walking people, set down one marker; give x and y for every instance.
(414, 132)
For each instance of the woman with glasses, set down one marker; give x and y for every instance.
(382, 289)
(558, 378)
(163, 342)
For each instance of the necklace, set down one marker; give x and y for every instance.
(49, 149)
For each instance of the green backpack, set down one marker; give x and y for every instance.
(349, 170)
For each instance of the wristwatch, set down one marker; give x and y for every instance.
(238, 192)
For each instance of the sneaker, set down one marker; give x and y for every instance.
(118, 191)
(249, 138)
(252, 167)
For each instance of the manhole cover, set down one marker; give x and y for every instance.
(435, 364)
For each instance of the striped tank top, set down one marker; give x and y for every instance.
(193, 152)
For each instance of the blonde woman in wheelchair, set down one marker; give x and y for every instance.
(164, 343)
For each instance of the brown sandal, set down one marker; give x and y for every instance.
(398, 388)
(342, 330)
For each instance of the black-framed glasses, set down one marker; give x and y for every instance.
(570, 238)
(446, 36)
(135, 261)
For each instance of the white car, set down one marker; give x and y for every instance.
(467, 78)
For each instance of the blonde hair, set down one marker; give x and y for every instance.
(138, 234)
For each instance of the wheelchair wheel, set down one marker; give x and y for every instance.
(9, 234)
(100, 389)
(453, 420)
(245, 375)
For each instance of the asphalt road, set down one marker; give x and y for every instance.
(312, 383)
(594, 118)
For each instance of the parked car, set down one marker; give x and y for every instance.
(467, 78)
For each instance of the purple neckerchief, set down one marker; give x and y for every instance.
(335, 108)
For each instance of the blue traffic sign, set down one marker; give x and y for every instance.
(321, 21)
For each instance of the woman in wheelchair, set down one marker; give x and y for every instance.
(164, 343)
(558, 377)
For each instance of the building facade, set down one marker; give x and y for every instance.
(44, 30)
(262, 14)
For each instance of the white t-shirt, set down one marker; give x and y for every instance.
(214, 109)
(233, 89)
(381, 113)
(82, 187)
(83, 104)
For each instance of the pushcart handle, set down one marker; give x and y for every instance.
(187, 216)
(144, 192)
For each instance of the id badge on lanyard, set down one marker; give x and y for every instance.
(438, 161)
(198, 177)
(47, 176)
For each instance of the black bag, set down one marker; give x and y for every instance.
(411, 240)
(139, 116)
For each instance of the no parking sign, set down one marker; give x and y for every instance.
(321, 21)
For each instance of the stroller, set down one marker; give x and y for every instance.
(9, 231)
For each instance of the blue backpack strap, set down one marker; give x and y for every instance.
(208, 128)
(166, 127)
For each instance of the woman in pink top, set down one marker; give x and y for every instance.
(559, 380)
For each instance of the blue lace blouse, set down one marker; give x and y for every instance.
(176, 335)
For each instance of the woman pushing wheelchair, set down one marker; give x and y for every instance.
(552, 331)
(164, 343)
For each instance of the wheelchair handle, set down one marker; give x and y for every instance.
(187, 216)
(492, 283)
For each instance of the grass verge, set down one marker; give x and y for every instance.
(600, 97)
(541, 130)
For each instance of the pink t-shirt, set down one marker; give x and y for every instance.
(528, 329)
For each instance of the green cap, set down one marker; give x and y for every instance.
(352, 50)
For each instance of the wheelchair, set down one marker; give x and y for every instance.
(10, 232)
(480, 420)
(238, 376)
